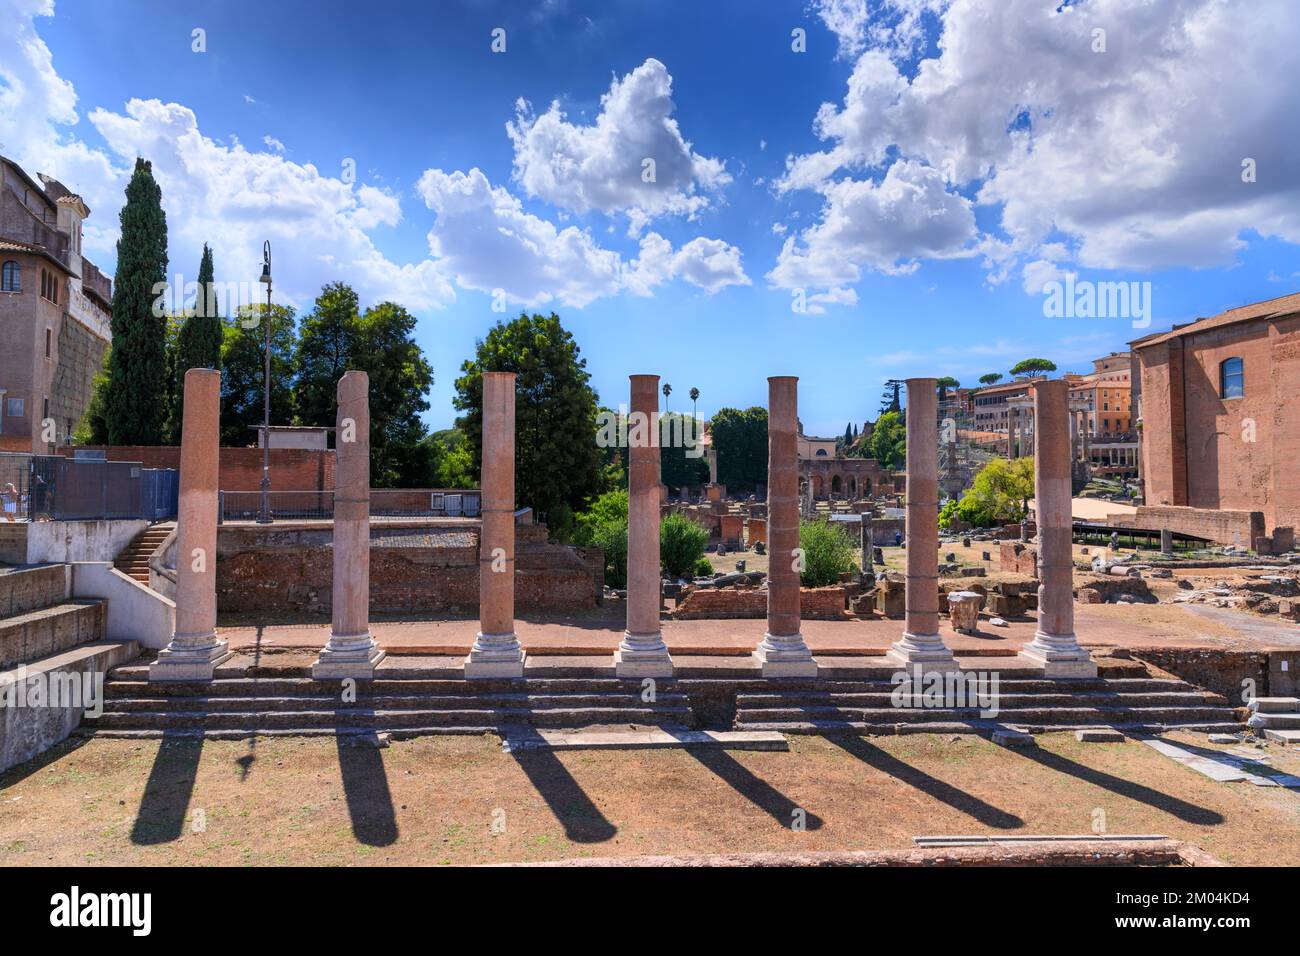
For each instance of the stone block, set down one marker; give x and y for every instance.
(1099, 735)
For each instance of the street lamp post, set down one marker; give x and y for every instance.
(264, 514)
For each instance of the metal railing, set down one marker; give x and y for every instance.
(384, 503)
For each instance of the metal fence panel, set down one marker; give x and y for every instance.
(159, 493)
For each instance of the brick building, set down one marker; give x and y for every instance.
(1216, 402)
(55, 312)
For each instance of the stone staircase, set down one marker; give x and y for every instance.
(46, 636)
(236, 707)
(1131, 704)
(134, 559)
(1276, 718)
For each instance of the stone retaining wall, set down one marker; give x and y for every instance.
(820, 604)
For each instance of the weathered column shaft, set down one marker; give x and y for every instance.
(782, 652)
(921, 644)
(194, 650)
(351, 651)
(782, 506)
(642, 652)
(496, 651)
(351, 596)
(1054, 644)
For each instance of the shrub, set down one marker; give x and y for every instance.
(703, 569)
(681, 544)
(947, 513)
(604, 525)
(828, 551)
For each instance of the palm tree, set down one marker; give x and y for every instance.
(668, 390)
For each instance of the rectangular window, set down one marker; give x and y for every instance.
(1232, 378)
(49, 335)
(14, 408)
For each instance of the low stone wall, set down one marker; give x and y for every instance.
(819, 604)
(90, 540)
(1238, 528)
(413, 568)
(32, 588)
(1221, 671)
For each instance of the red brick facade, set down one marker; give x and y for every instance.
(292, 469)
(1204, 449)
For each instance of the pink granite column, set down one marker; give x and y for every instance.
(782, 652)
(642, 652)
(1054, 645)
(194, 651)
(351, 651)
(496, 651)
(921, 645)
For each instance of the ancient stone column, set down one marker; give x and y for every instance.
(496, 651)
(921, 645)
(1054, 645)
(351, 651)
(782, 652)
(642, 652)
(194, 651)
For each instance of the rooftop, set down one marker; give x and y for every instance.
(1268, 309)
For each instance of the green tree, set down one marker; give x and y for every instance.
(992, 378)
(888, 441)
(741, 442)
(604, 525)
(135, 404)
(681, 545)
(242, 353)
(946, 383)
(999, 493)
(677, 469)
(455, 463)
(93, 427)
(828, 551)
(327, 347)
(400, 379)
(1033, 366)
(197, 343)
(556, 455)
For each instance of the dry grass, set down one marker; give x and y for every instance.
(434, 800)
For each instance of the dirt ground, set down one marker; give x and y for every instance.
(462, 800)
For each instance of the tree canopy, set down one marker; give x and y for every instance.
(999, 493)
(740, 439)
(1033, 366)
(888, 441)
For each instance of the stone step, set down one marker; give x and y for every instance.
(49, 630)
(1054, 715)
(233, 704)
(397, 733)
(1274, 721)
(1005, 700)
(978, 727)
(1275, 705)
(366, 718)
(133, 682)
(31, 589)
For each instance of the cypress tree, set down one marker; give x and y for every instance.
(135, 406)
(198, 342)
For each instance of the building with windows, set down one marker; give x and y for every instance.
(1216, 402)
(55, 312)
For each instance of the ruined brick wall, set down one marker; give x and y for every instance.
(1018, 557)
(820, 604)
(80, 355)
(289, 569)
(1218, 670)
(292, 469)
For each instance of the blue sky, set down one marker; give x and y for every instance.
(967, 153)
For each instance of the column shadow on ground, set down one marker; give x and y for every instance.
(1188, 812)
(366, 790)
(160, 817)
(582, 820)
(954, 797)
(753, 788)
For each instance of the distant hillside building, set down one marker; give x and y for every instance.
(55, 310)
(1217, 401)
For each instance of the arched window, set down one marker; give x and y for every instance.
(821, 453)
(12, 280)
(1232, 379)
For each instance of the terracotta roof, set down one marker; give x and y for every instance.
(14, 245)
(1268, 309)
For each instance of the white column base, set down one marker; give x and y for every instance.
(926, 651)
(495, 656)
(194, 664)
(353, 657)
(785, 655)
(1060, 656)
(643, 655)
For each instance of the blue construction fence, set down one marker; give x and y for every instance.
(54, 488)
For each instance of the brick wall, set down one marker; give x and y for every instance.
(292, 469)
(289, 569)
(1019, 558)
(821, 604)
